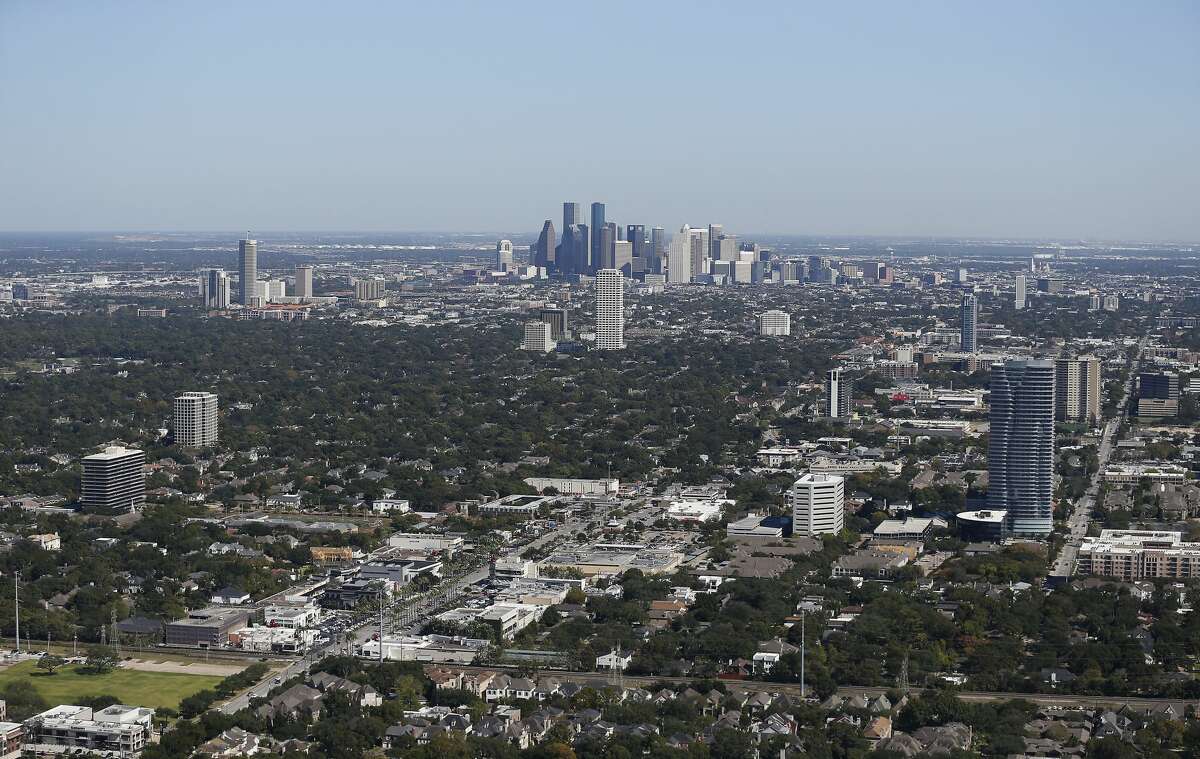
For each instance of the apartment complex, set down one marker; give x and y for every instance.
(194, 420)
(1077, 389)
(1139, 554)
(774, 323)
(115, 731)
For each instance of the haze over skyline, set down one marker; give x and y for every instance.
(1020, 120)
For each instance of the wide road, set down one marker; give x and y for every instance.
(1081, 515)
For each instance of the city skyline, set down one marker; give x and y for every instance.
(945, 121)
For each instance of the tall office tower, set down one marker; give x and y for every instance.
(679, 257)
(870, 271)
(369, 289)
(1158, 394)
(774, 323)
(715, 232)
(303, 286)
(636, 235)
(248, 272)
(1019, 297)
(604, 253)
(818, 504)
(1021, 447)
(816, 264)
(726, 248)
(610, 310)
(538, 337)
(214, 289)
(572, 256)
(572, 214)
(699, 251)
(837, 394)
(970, 323)
(194, 420)
(597, 227)
(1077, 389)
(114, 480)
(659, 247)
(504, 255)
(557, 319)
(543, 250)
(960, 276)
(623, 257)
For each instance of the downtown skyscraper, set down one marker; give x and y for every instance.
(1021, 445)
(543, 249)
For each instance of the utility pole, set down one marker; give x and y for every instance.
(17, 606)
(803, 642)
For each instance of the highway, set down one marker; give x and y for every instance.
(1081, 515)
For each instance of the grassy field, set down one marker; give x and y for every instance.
(133, 687)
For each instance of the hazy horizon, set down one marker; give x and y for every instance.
(1031, 122)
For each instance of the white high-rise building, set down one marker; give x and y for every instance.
(303, 287)
(818, 504)
(837, 395)
(679, 257)
(1019, 298)
(504, 255)
(214, 289)
(904, 353)
(248, 272)
(774, 323)
(610, 310)
(114, 480)
(274, 290)
(539, 337)
(194, 420)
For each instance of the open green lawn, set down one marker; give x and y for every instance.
(129, 686)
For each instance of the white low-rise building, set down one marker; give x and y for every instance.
(569, 486)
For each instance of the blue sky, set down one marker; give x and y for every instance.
(1014, 119)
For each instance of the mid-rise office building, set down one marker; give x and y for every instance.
(557, 319)
(117, 731)
(114, 480)
(504, 255)
(1077, 389)
(304, 282)
(1019, 292)
(818, 504)
(194, 420)
(543, 249)
(214, 289)
(610, 310)
(837, 394)
(969, 327)
(538, 337)
(1021, 445)
(248, 273)
(774, 323)
(1158, 394)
